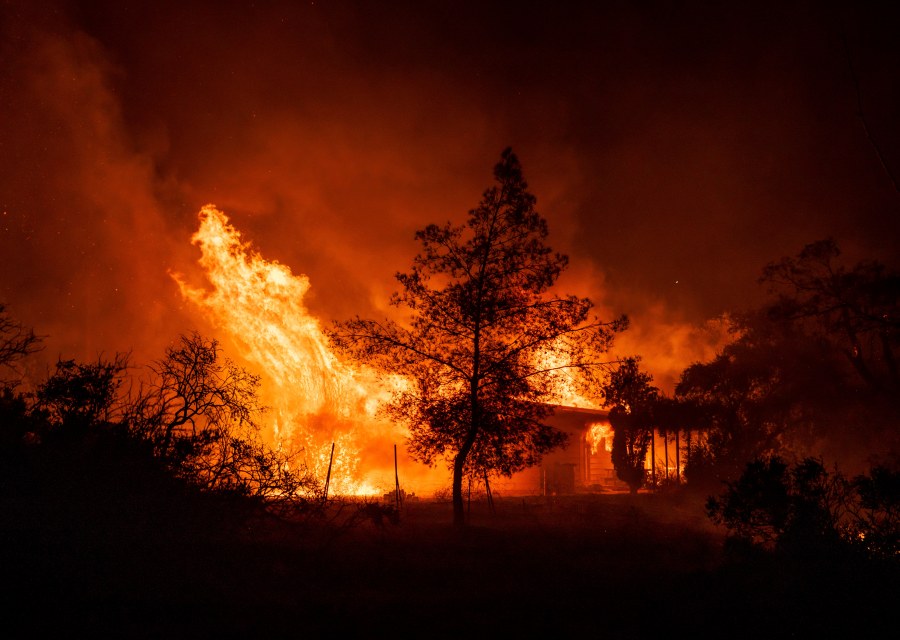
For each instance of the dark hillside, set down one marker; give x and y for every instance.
(151, 558)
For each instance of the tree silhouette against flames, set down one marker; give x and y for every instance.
(482, 325)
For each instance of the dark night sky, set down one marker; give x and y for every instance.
(675, 148)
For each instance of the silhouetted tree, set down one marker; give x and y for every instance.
(876, 512)
(199, 410)
(770, 385)
(195, 395)
(815, 367)
(686, 421)
(806, 511)
(631, 399)
(17, 425)
(80, 396)
(482, 323)
(16, 341)
(856, 309)
(242, 464)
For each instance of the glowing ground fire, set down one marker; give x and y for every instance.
(314, 398)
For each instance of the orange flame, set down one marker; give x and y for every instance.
(315, 399)
(600, 433)
(564, 388)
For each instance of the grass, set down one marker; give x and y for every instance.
(607, 565)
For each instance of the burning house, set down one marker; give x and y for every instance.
(327, 408)
(583, 464)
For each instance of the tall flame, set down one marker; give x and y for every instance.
(564, 388)
(315, 398)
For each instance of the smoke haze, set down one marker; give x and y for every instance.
(674, 148)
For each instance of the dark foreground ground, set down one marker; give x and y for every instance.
(610, 566)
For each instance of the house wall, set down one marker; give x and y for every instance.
(576, 467)
(585, 466)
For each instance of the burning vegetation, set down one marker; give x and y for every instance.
(489, 325)
(489, 373)
(729, 466)
(486, 339)
(314, 398)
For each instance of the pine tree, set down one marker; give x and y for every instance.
(483, 326)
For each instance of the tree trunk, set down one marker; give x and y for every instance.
(666, 444)
(687, 462)
(677, 456)
(459, 463)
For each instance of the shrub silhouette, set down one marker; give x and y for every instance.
(806, 511)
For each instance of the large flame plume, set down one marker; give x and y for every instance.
(315, 399)
(565, 389)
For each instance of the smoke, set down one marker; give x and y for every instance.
(84, 243)
(673, 152)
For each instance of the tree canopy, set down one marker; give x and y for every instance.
(854, 308)
(632, 401)
(16, 341)
(813, 369)
(484, 336)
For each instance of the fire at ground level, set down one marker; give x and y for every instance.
(326, 408)
(583, 465)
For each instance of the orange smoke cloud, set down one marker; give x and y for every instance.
(84, 241)
(667, 344)
(315, 128)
